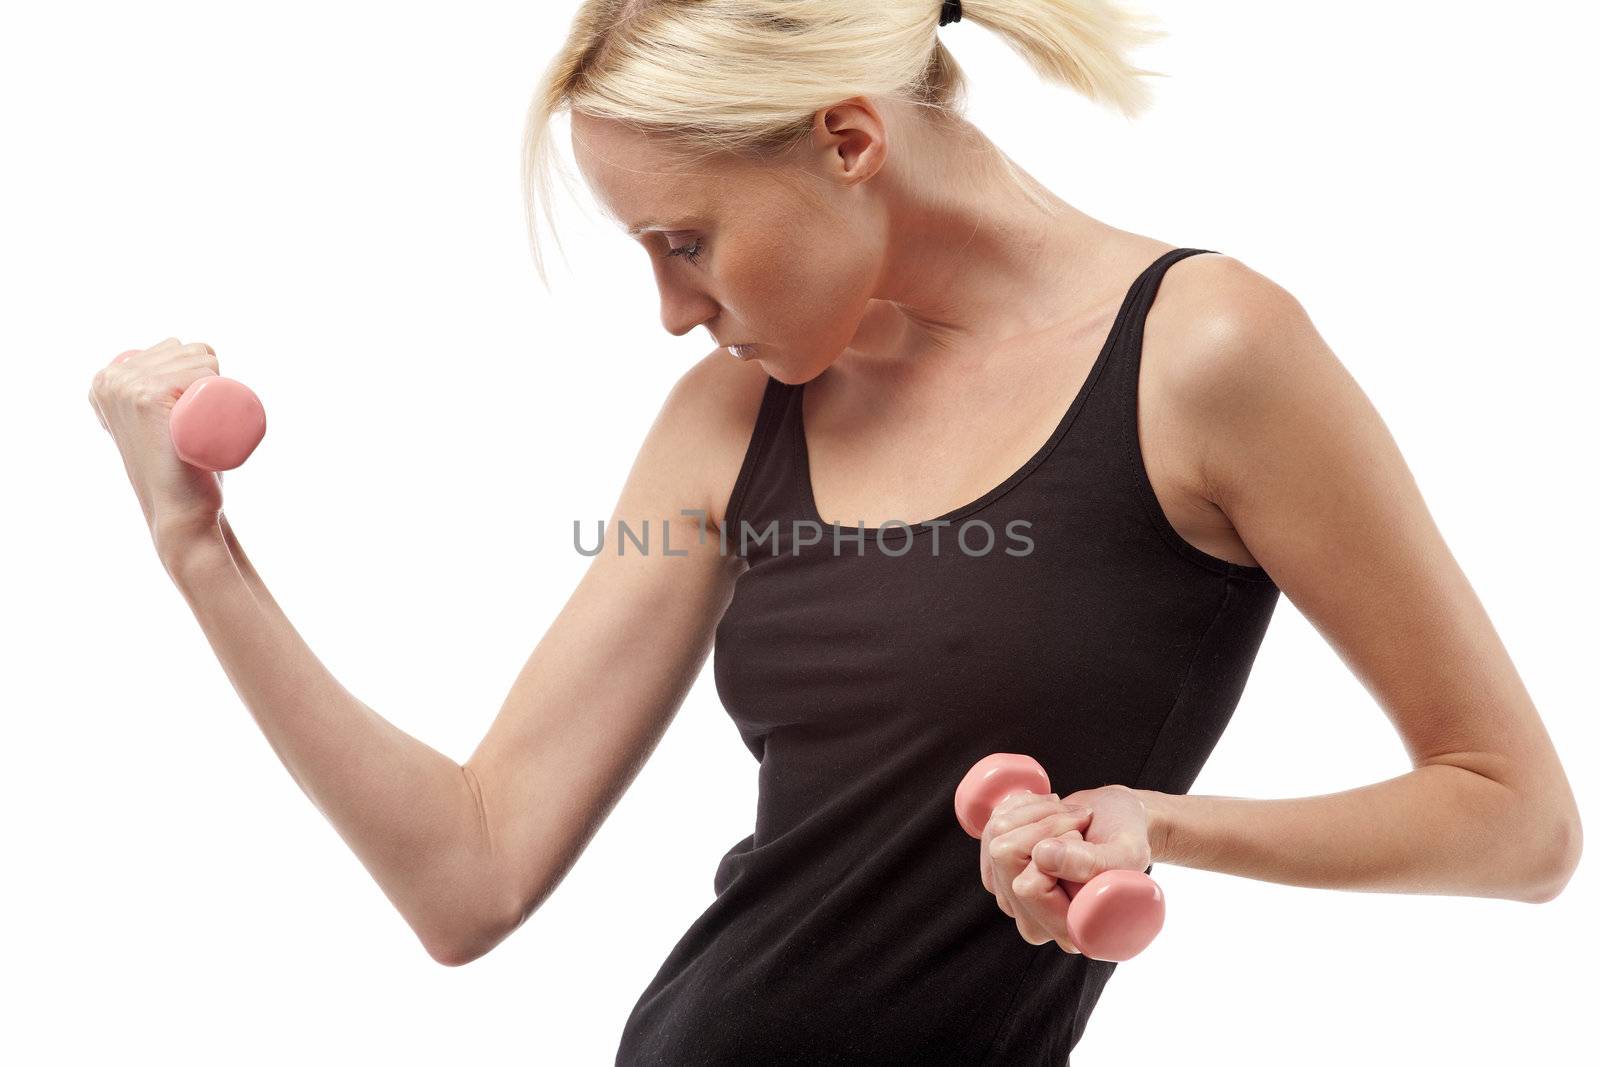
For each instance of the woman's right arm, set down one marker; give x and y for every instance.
(466, 852)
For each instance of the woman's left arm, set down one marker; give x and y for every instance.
(1297, 457)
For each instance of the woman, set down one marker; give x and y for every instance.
(1129, 448)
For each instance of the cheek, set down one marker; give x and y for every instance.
(811, 295)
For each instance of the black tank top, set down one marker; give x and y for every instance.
(852, 926)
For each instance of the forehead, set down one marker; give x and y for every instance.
(608, 142)
(641, 179)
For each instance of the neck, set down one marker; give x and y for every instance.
(971, 261)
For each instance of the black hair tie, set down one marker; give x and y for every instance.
(951, 12)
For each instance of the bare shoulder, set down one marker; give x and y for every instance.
(1225, 312)
(706, 424)
(1223, 336)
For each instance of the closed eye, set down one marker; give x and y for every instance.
(691, 251)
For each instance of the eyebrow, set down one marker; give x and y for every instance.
(641, 228)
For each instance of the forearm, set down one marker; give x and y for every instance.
(1438, 829)
(410, 814)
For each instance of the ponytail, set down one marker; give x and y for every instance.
(1078, 43)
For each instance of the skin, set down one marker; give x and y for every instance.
(926, 303)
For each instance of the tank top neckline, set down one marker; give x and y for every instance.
(803, 452)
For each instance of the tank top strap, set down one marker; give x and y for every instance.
(1143, 295)
(1125, 346)
(767, 486)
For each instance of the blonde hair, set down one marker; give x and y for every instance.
(747, 76)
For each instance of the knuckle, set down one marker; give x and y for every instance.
(1011, 818)
(1132, 846)
(205, 352)
(1017, 800)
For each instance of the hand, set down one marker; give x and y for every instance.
(1037, 901)
(1040, 842)
(133, 400)
(1118, 837)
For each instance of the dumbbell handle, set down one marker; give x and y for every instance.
(1114, 915)
(216, 423)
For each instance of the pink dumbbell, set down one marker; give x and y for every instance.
(1114, 915)
(216, 423)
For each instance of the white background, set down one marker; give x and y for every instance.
(328, 194)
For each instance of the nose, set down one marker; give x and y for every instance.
(683, 307)
(682, 312)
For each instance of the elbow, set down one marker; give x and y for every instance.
(1565, 848)
(460, 947)
(458, 952)
(449, 955)
(447, 945)
(461, 950)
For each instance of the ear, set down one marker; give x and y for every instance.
(851, 138)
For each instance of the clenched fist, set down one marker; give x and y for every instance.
(133, 399)
(1033, 843)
